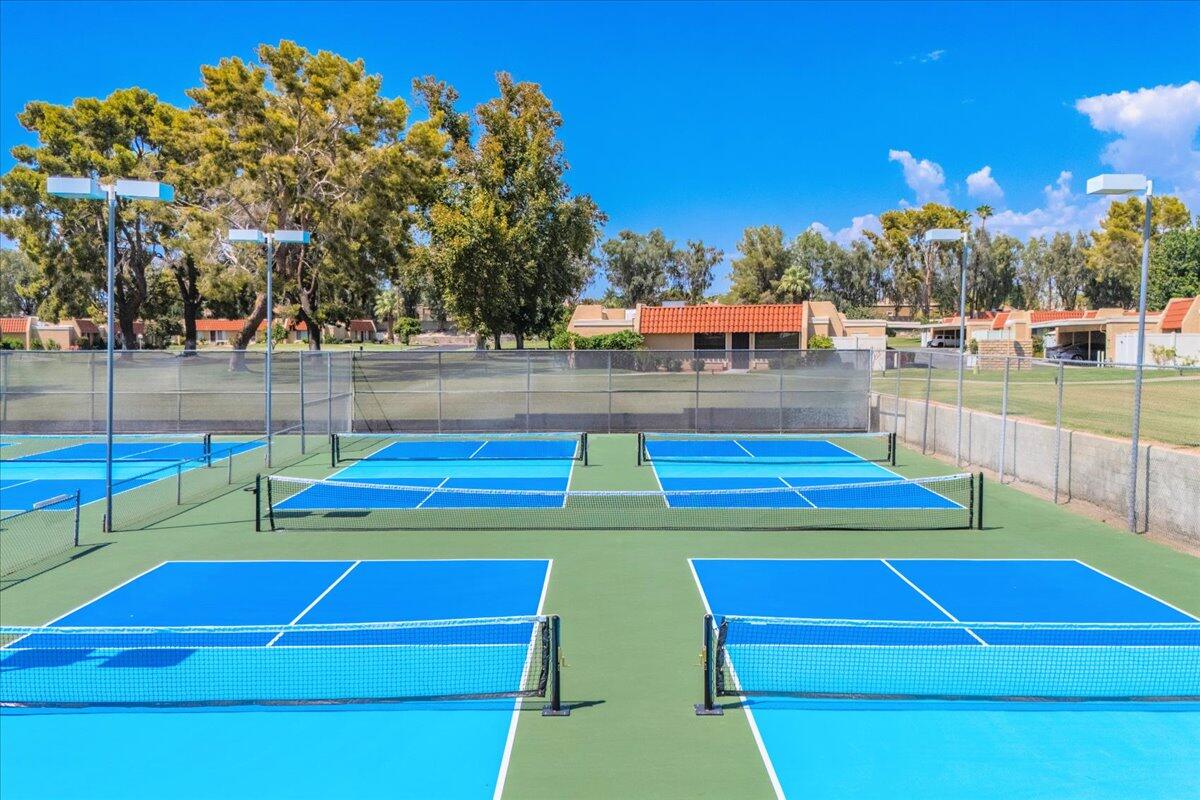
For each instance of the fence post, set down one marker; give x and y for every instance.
(925, 415)
(528, 387)
(696, 411)
(300, 387)
(92, 391)
(962, 358)
(782, 369)
(329, 392)
(439, 390)
(4, 386)
(1004, 420)
(896, 405)
(610, 391)
(1058, 429)
(179, 392)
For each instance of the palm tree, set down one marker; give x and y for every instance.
(983, 212)
(387, 305)
(794, 285)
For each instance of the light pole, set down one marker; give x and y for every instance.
(255, 236)
(956, 235)
(1133, 184)
(91, 189)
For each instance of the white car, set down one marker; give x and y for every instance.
(942, 341)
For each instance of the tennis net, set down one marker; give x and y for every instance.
(750, 656)
(299, 664)
(92, 447)
(877, 446)
(289, 503)
(458, 446)
(49, 528)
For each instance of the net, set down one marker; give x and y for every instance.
(282, 664)
(767, 447)
(955, 660)
(458, 447)
(93, 448)
(289, 503)
(48, 529)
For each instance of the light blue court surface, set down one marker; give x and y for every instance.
(503, 464)
(412, 749)
(692, 464)
(32, 478)
(955, 749)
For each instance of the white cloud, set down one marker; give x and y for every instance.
(982, 186)
(922, 58)
(924, 177)
(1156, 131)
(1063, 210)
(856, 228)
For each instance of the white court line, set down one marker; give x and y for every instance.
(477, 449)
(432, 493)
(744, 450)
(798, 492)
(512, 725)
(758, 740)
(1142, 592)
(320, 597)
(932, 602)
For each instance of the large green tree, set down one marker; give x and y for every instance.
(690, 273)
(764, 258)
(1174, 267)
(304, 140)
(915, 264)
(637, 266)
(121, 136)
(22, 286)
(509, 243)
(1114, 259)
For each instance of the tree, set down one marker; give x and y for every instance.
(511, 244)
(637, 266)
(764, 258)
(795, 285)
(1066, 266)
(914, 263)
(690, 273)
(1114, 259)
(22, 286)
(120, 136)
(388, 306)
(851, 277)
(1174, 267)
(308, 142)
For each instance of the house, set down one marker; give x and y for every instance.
(215, 330)
(17, 331)
(365, 330)
(732, 330)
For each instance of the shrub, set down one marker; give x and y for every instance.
(1039, 346)
(406, 328)
(622, 340)
(36, 344)
(819, 342)
(973, 346)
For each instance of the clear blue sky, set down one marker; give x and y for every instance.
(701, 118)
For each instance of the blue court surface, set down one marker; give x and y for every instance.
(32, 478)
(448, 748)
(500, 464)
(952, 749)
(704, 464)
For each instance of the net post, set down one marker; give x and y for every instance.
(641, 442)
(583, 443)
(979, 505)
(207, 449)
(892, 449)
(76, 539)
(708, 661)
(229, 466)
(258, 503)
(179, 484)
(555, 707)
(334, 444)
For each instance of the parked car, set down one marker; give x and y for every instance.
(942, 341)
(1068, 352)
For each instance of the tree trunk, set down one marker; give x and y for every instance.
(186, 278)
(520, 340)
(237, 359)
(480, 341)
(496, 340)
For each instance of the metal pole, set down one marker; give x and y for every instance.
(896, 364)
(528, 386)
(610, 391)
(329, 393)
(439, 390)
(781, 372)
(696, 411)
(962, 346)
(925, 416)
(1137, 379)
(108, 412)
(1004, 420)
(300, 387)
(1058, 430)
(4, 387)
(270, 341)
(178, 393)
(91, 392)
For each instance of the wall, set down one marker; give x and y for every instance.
(1187, 345)
(1092, 468)
(668, 341)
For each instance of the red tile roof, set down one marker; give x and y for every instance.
(14, 324)
(781, 318)
(1049, 316)
(1176, 310)
(362, 326)
(86, 327)
(998, 322)
(228, 325)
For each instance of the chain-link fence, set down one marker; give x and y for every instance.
(1063, 426)
(612, 391)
